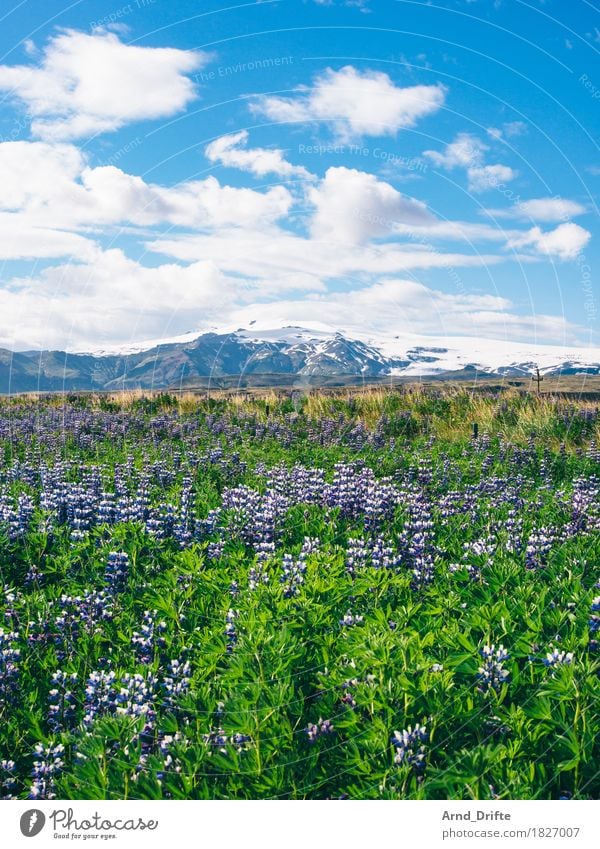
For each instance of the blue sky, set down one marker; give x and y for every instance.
(384, 168)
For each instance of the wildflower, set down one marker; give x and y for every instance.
(240, 741)
(61, 713)
(556, 658)
(217, 740)
(176, 683)
(492, 674)
(347, 688)
(230, 631)
(149, 638)
(117, 571)
(8, 778)
(99, 696)
(9, 665)
(357, 554)
(47, 766)
(409, 747)
(349, 620)
(321, 728)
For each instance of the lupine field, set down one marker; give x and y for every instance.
(330, 598)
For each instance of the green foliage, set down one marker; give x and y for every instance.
(414, 658)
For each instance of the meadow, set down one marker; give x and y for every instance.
(330, 596)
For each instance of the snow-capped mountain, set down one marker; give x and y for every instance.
(290, 355)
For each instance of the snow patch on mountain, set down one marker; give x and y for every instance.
(320, 349)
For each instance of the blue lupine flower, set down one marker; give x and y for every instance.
(409, 747)
(492, 674)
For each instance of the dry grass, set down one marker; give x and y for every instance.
(446, 409)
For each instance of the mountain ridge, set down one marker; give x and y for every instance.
(290, 352)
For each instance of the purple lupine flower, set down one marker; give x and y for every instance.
(293, 569)
(217, 740)
(347, 687)
(176, 683)
(8, 779)
(62, 702)
(556, 658)
(9, 665)
(99, 696)
(383, 555)
(166, 746)
(409, 747)
(492, 674)
(117, 571)
(321, 728)
(136, 695)
(349, 620)
(48, 764)
(148, 640)
(357, 555)
(230, 630)
(539, 546)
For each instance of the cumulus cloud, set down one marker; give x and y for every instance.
(88, 83)
(396, 305)
(111, 299)
(353, 206)
(232, 152)
(354, 103)
(565, 242)
(465, 151)
(33, 172)
(281, 256)
(53, 186)
(196, 204)
(468, 152)
(489, 177)
(114, 300)
(236, 248)
(20, 239)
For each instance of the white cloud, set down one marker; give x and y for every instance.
(281, 256)
(465, 151)
(353, 206)
(462, 231)
(52, 186)
(565, 242)
(468, 152)
(111, 299)
(489, 177)
(361, 5)
(114, 300)
(19, 239)
(195, 204)
(236, 250)
(545, 209)
(355, 103)
(92, 83)
(231, 151)
(509, 130)
(394, 306)
(33, 172)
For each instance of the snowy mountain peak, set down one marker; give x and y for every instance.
(285, 353)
